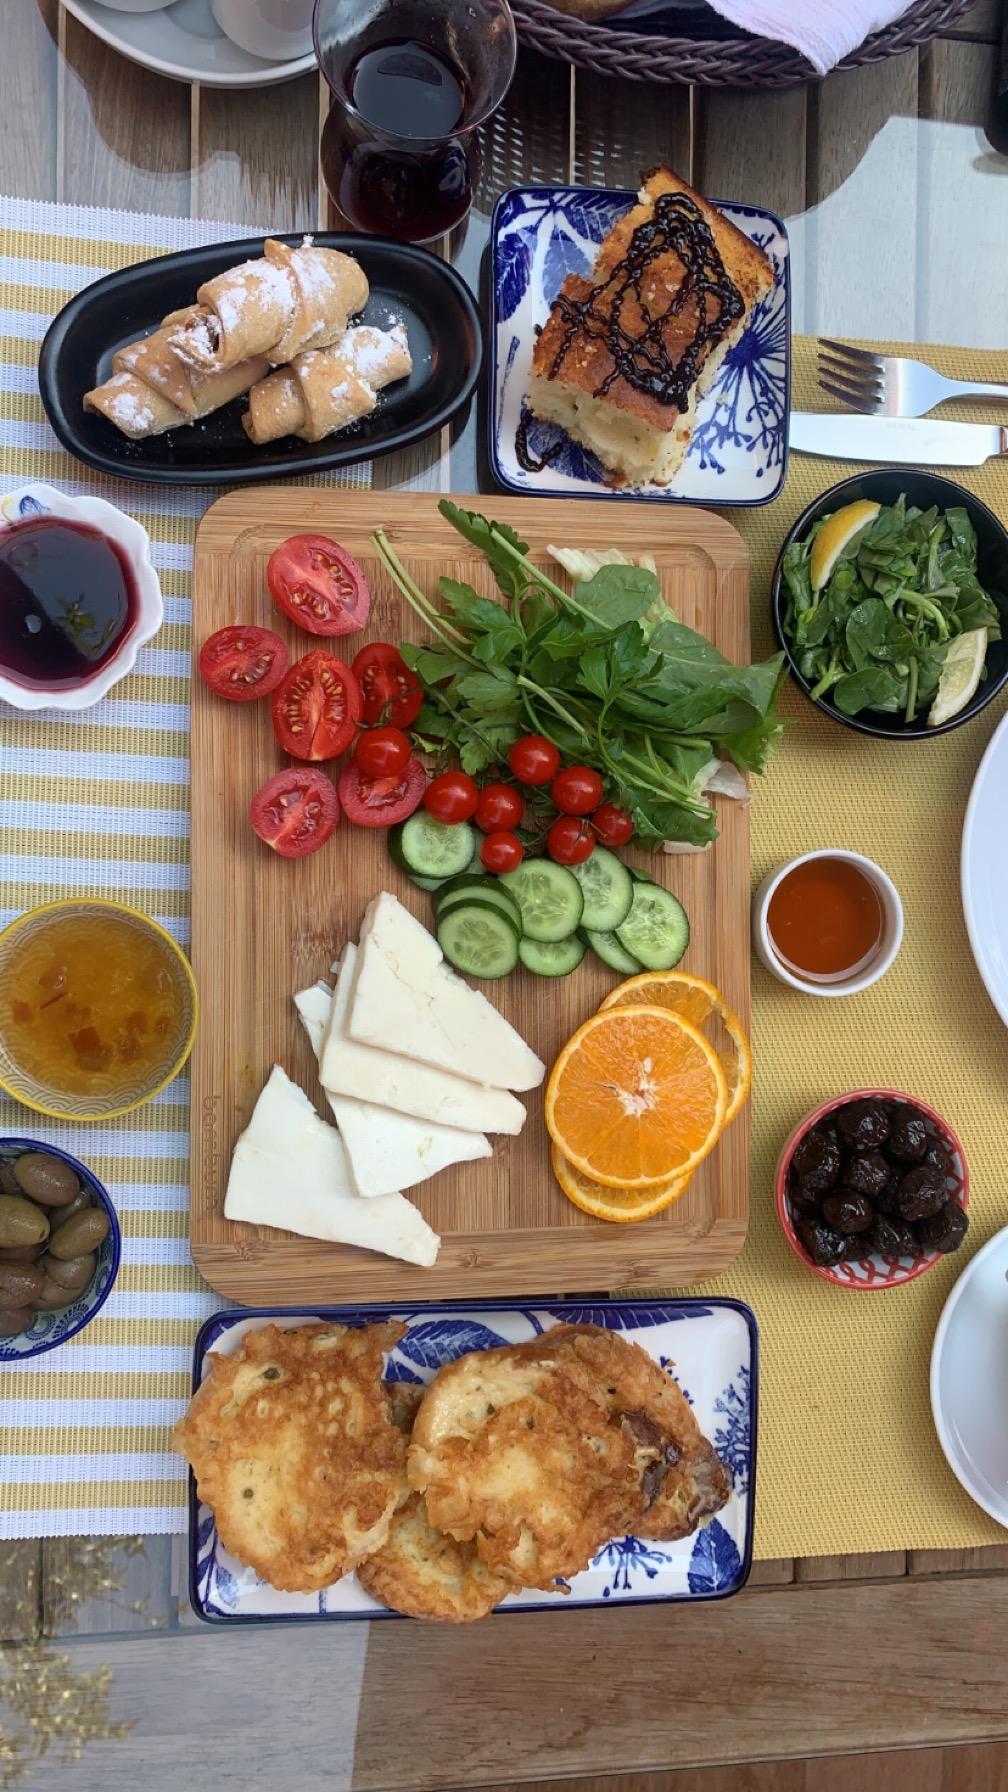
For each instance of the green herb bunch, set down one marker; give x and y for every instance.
(607, 672)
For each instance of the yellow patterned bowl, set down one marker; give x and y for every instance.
(99, 1074)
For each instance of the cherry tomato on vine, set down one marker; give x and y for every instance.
(570, 841)
(502, 852)
(382, 752)
(613, 826)
(500, 806)
(451, 797)
(576, 790)
(534, 759)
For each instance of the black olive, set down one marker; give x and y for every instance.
(804, 1202)
(863, 1125)
(823, 1245)
(908, 1134)
(867, 1174)
(816, 1159)
(847, 1211)
(944, 1230)
(919, 1193)
(892, 1238)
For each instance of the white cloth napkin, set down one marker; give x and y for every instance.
(823, 32)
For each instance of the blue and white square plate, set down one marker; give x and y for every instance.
(738, 454)
(713, 1348)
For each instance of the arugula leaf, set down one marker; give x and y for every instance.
(874, 687)
(480, 533)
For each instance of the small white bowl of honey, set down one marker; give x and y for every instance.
(98, 1008)
(829, 923)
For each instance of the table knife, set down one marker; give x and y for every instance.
(915, 441)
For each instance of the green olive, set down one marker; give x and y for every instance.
(19, 1283)
(73, 1272)
(23, 1253)
(85, 1232)
(21, 1222)
(14, 1320)
(51, 1297)
(58, 1216)
(46, 1179)
(8, 1180)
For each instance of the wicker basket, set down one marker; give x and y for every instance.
(701, 49)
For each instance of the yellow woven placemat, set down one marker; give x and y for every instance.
(848, 1457)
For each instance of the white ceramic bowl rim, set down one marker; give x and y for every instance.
(39, 499)
(257, 73)
(943, 1429)
(892, 924)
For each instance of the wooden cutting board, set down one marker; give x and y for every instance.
(263, 927)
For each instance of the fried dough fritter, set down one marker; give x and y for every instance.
(689, 1482)
(523, 1452)
(294, 1449)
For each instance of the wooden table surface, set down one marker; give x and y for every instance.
(878, 173)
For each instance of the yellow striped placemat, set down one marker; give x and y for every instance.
(98, 803)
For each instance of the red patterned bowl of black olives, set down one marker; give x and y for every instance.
(872, 1189)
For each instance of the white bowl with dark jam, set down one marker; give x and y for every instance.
(79, 596)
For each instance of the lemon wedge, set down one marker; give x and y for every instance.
(961, 673)
(837, 531)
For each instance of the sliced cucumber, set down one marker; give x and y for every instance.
(471, 886)
(479, 941)
(607, 888)
(656, 930)
(425, 883)
(552, 958)
(428, 848)
(607, 947)
(549, 897)
(489, 897)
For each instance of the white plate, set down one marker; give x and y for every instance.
(713, 1345)
(184, 42)
(984, 869)
(969, 1388)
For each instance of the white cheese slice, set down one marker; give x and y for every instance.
(406, 998)
(390, 1080)
(290, 1170)
(385, 1150)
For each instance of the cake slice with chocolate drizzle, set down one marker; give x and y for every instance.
(624, 356)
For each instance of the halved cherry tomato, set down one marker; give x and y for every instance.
(577, 790)
(534, 759)
(499, 806)
(296, 811)
(502, 852)
(452, 797)
(570, 841)
(319, 585)
(613, 826)
(381, 802)
(382, 752)
(387, 684)
(316, 708)
(243, 662)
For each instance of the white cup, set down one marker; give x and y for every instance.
(861, 977)
(277, 30)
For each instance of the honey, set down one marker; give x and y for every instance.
(825, 920)
(95, 1004)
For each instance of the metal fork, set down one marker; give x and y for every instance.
(890, 385)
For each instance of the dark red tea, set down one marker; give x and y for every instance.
(68, 600)
(420, 184)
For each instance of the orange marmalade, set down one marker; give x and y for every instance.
(825, 920)
(94, 1005)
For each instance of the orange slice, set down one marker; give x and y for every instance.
(620, 1205)
(703, 1005)
(637, 1097)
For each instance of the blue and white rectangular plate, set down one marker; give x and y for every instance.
(738, 454)
(712, 1346)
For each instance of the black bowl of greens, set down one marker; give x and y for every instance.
(899, 608)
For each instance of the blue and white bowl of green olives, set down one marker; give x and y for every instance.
(60, 1246)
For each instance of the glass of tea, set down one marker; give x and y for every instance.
(411, 82)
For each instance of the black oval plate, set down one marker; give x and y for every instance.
(407, 284)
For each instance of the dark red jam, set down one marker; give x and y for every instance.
(68, 600)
